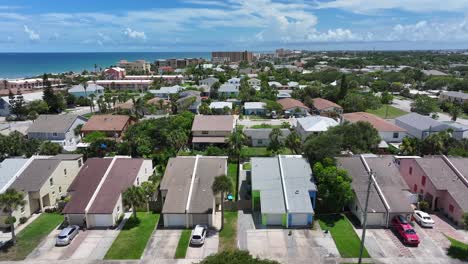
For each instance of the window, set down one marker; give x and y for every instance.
(396, 135)
(410, 170)
(451, 208)
(415, 188)
(65, 171)
(54, 134)
(60, 189)
(204, 132)
(51, 181)
(259, 141)
(22, 209)
(138, 181)
(423, 181)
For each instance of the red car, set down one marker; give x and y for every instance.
(405, 230)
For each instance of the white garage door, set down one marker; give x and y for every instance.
(274, 219)
(298, 220)
(104, 220)
(174, 219)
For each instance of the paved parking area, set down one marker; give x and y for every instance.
(291, 246)
(210, 247)
(163, 244)
(87, 245)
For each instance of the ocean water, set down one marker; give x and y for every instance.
(18, 65)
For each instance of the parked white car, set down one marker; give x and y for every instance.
(66, 235)
(198, 235)
(423, 218)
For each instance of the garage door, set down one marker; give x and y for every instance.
(274, 219)
(103, 220)
(298, 220)
(200, 219)
(174, 219)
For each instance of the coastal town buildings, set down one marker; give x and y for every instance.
(231, 56)
(135, 66)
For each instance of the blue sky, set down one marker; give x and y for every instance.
(205, 25)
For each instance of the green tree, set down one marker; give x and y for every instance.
(334, 186)
(11, 200)
(319, 147)
(343, 87)
(39, 106)
(94, 136)
(149, 188)
(178, 139)
(410, 146)
(235, 142)
(204, 109)
(50, 148)
(54, 101)
(134, 196)
(455, 110)
(359, 137)
(424, 105)
(17, 104)
(294, 142)
(386, 98)
(222, 185)
(275, 144)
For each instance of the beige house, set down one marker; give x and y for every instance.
(43, 181)
(136, 66)
(211, 129)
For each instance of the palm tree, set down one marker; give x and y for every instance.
(134, 196)
(221, 185)
(85, 87)
(235, 141)
(275, 145)
(455, 111)
(11, 200)
(91, 101)
(294, 142)
(149, 188)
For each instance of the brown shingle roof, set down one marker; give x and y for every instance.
(53, 123)
(288, 103)
(378, 123)
(122, 175)
(213, 123)
(85, 184)
(320, 104)
(35, 175)
(106, 123)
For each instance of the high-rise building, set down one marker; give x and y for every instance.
(231, 56)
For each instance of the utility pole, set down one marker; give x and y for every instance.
(364, 224)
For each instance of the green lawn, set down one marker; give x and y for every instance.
(393, 112)
(228, 236)
(88, 115)
(30, 237)
(232, 174)
(132, 239)
(247, 166)
(260, 152)
(457, 249)
(346, 240)
(183, 244)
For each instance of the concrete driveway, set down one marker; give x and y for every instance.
(87, 245)
(163, 244)
(291, 245)
(274, 122)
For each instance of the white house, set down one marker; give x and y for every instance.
(314, 125)
(254, 82)
(254, 108)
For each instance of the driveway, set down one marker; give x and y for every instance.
(291, 245)
(87, 245)
(163, 244)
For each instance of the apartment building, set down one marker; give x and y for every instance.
(135, 66)
(231, 56)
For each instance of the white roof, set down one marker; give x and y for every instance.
(28, 97)
(220, 105)
(254, 105)
(168, 90)
(293, 84)
(274, 84)
(316, 123)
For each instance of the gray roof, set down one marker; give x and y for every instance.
(299, 182)
(53, 123)
(266, 178)
(263, 133)
(461, 95)
(278, 196)
(35, 175)
(421, 122)
(9, 168)
(387, 177)
(208, 169)
(444, 178)
(80, 88)
(177, 182)
(228, 88)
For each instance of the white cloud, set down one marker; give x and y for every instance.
(12, 16)
(431, 31)
(418, 6)
(31, 33)
(133, 34)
